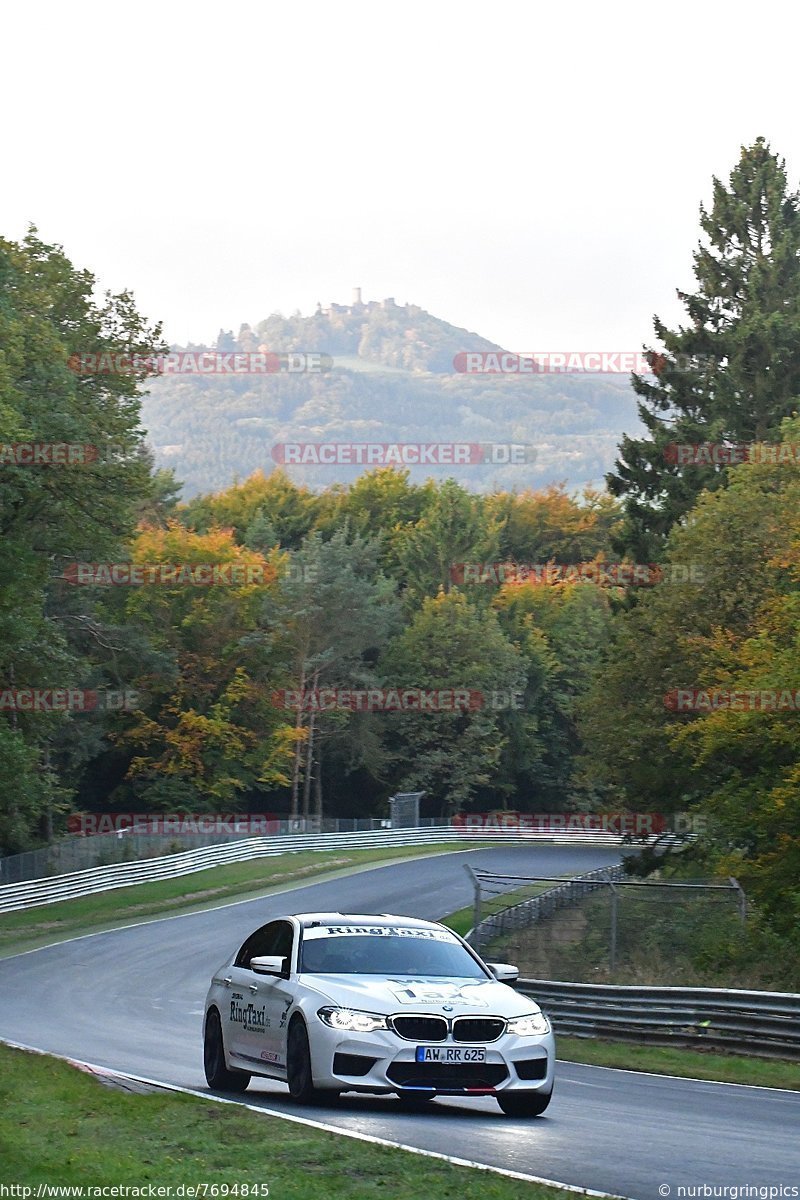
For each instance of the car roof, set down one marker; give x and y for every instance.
(337, 918)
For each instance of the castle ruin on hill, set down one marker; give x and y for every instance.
(358, 306)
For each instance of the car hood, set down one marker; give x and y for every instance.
(384, 995)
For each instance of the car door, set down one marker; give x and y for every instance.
(257, 1002)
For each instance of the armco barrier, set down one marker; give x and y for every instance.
(79, 852)
(766, 1024)
(33, 892)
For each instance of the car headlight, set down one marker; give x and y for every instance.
(531, 1025)
(350, 1020)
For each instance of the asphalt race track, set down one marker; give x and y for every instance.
(132, 999)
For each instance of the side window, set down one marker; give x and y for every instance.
(275, 938)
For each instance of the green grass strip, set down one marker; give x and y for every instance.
(62, 1127)
(688, 1064)
(463, 918)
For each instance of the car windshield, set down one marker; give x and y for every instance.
(409, 952)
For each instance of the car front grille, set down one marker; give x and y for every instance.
(444, 1077)
(420, 1028)
(478, 1029)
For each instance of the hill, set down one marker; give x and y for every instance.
(392, 380)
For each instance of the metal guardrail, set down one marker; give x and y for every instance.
(14, 896)
(763, 1024)
(79, 852)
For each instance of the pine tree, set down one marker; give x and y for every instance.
(732, 373)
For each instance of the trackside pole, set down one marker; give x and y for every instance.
(475, 933)
(742, 897)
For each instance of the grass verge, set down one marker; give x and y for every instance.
(28, 928)
(61, 1126)
(462, 919)
(689, 1064)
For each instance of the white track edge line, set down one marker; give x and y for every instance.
(335, 1129)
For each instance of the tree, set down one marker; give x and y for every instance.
(160, 503)
(733, 372)
(206, 732)
(452, 755)
(538, 527)
(751, 754)
(336, 611)
(380, 504)
(702, 634)
(54, 513)
(561, 632)
(454, 527)
(260, 509)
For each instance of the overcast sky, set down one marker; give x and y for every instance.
(530, 172)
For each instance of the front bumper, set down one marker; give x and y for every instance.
(384, 1062)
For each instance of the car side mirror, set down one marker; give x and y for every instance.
(270, 964)
(504, 972)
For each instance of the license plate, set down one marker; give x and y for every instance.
(451, 1054)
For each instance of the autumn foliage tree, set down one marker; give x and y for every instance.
(207, 731)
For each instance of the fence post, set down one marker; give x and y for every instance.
(612, 955)
(742, 898)
(475, 940)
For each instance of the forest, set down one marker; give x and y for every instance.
(160, 684)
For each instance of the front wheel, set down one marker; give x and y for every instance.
(522, 1104)
(218, 1076)
(298, 1064)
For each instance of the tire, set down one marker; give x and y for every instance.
(524, 1104)
(298, 1064)
(218, 1076)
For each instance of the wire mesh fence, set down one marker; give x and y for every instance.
(604, 927)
